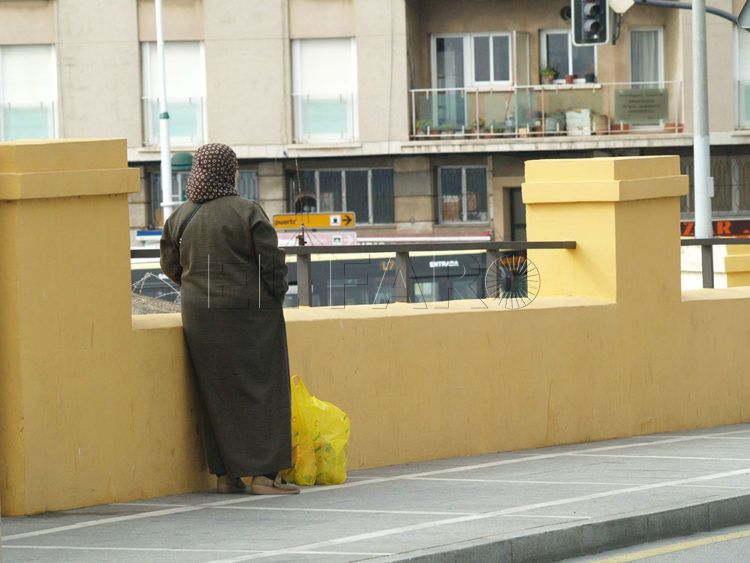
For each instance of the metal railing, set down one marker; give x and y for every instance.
(707, 254)
(547, 110)
(322, 118)
(27, 120)
(186, 121)
(401, 253)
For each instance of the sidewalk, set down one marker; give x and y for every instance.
(537, 505)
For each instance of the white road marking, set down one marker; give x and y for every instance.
(694, 458)
(708, 436)
(183, 550)
(463, 519)
(346, 510)
(155, 549)
(523, 481)
(397, 512)
(585, 483)
(716, 487)
(99, 522)
(521, 458)
(160, 504)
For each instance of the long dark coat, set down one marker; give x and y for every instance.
(232, 281)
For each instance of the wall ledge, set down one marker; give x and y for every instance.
(718, 294)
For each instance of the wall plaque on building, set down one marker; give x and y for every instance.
(642, 106)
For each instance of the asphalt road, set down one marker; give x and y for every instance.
(730, 545)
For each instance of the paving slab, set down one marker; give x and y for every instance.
(536, 505)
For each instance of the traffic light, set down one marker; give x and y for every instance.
(590, 22)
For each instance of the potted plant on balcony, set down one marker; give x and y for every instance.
(569, 78)
(423, 126)
(477, 126)
(447, 130)
(548, 75)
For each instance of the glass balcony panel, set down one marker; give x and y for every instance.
(27, 121)
(325, 117)
(550, 110)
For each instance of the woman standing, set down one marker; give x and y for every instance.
(223, 252)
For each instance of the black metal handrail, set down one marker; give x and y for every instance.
(401, 252)
(707, 254)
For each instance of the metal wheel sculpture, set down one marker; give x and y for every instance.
(513, 280)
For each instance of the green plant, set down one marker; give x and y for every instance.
(497, 126)
(450, 127)
(549, 72)
(424, 124)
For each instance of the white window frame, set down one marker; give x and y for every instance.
(55, 89)
(492, 81)
(468, 49)
(343, 171)
(543, 34)
(660, 30)
(464, 211)
(146, 86)
(296, 93)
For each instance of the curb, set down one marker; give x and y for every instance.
(580, 540)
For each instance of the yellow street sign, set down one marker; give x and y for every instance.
(295, 221)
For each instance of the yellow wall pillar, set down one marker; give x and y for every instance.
(66, 321)
(623, 214)
(737, 265)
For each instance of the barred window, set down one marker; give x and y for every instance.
(247, 186)
(367, 192)
(731, 176)
(462, 194)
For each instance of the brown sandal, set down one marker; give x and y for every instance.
(262, 485)
(230, 485)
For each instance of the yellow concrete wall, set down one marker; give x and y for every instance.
(737, 265)
(96, 407)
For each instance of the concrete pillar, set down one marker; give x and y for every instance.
(625, 220)
(66, 321)
(737, 265)
(272, 187)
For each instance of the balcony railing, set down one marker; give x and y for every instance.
(27, 120)
(185, 121)
(322, 118)
(543, 110)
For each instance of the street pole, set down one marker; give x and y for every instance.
(166, 162)
(702, 180)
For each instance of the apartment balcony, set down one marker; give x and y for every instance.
(548, 110)
(27, 120)
(186, 121)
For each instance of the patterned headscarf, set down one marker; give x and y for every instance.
(213, 173)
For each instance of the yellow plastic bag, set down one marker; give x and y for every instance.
(331, 441)
(320, 436)
(304, 465)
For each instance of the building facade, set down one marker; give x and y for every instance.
(417, 115)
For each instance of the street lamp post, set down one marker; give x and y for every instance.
(701, 145)
(166, 163)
